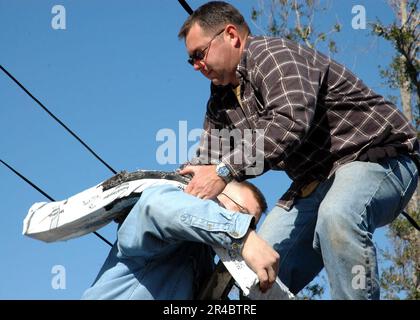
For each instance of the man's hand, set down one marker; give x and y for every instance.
(262, 259)
(205, 184)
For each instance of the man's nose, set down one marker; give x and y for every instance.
(197, 65)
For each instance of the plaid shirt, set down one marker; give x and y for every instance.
(315, 114)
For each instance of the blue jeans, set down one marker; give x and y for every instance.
(333, 227)
(163, 249)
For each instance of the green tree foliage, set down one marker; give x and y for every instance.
(401, 278)
(403, 72)
(294, 20)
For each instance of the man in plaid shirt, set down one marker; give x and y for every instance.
(351, 154)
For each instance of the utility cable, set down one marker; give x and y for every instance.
(56, 119)
(186, 6)
(44, 194)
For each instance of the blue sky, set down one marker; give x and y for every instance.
(117, 76)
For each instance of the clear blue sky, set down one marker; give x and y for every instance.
(116, 76)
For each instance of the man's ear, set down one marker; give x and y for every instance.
(234, 36)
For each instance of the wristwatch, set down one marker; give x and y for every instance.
(223, 172)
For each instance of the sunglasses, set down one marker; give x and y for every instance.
(242, 209)
(199, 55)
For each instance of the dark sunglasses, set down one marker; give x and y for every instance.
(242, 209)
(199, 55)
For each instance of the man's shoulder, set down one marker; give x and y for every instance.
(266, 53)
(259, 44)
(271, 52)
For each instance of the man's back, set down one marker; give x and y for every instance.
(319, 112)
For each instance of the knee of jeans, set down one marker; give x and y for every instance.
(332, 223)
(332, 214)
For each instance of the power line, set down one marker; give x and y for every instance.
(188, 9)
(411, 220)
(56, 119)
(185, 5)
(33, 185)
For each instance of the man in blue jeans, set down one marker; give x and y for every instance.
(163, 249)
(351, 155)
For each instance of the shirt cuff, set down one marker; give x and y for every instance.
(246, 222)
(241, 226)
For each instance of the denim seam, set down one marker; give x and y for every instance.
(206, 224)
(369, 282)
(369, 286)
(363, 215)
(403, 193)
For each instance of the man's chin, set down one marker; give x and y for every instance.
(217, 82)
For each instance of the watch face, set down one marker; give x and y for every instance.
(224, 171)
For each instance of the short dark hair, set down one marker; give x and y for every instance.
(212, 16)
(257, 194)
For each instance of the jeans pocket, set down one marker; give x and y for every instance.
(408, 193)
(404, 174)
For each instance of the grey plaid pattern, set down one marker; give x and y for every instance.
(316, 115)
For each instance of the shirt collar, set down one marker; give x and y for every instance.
(241, 69)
